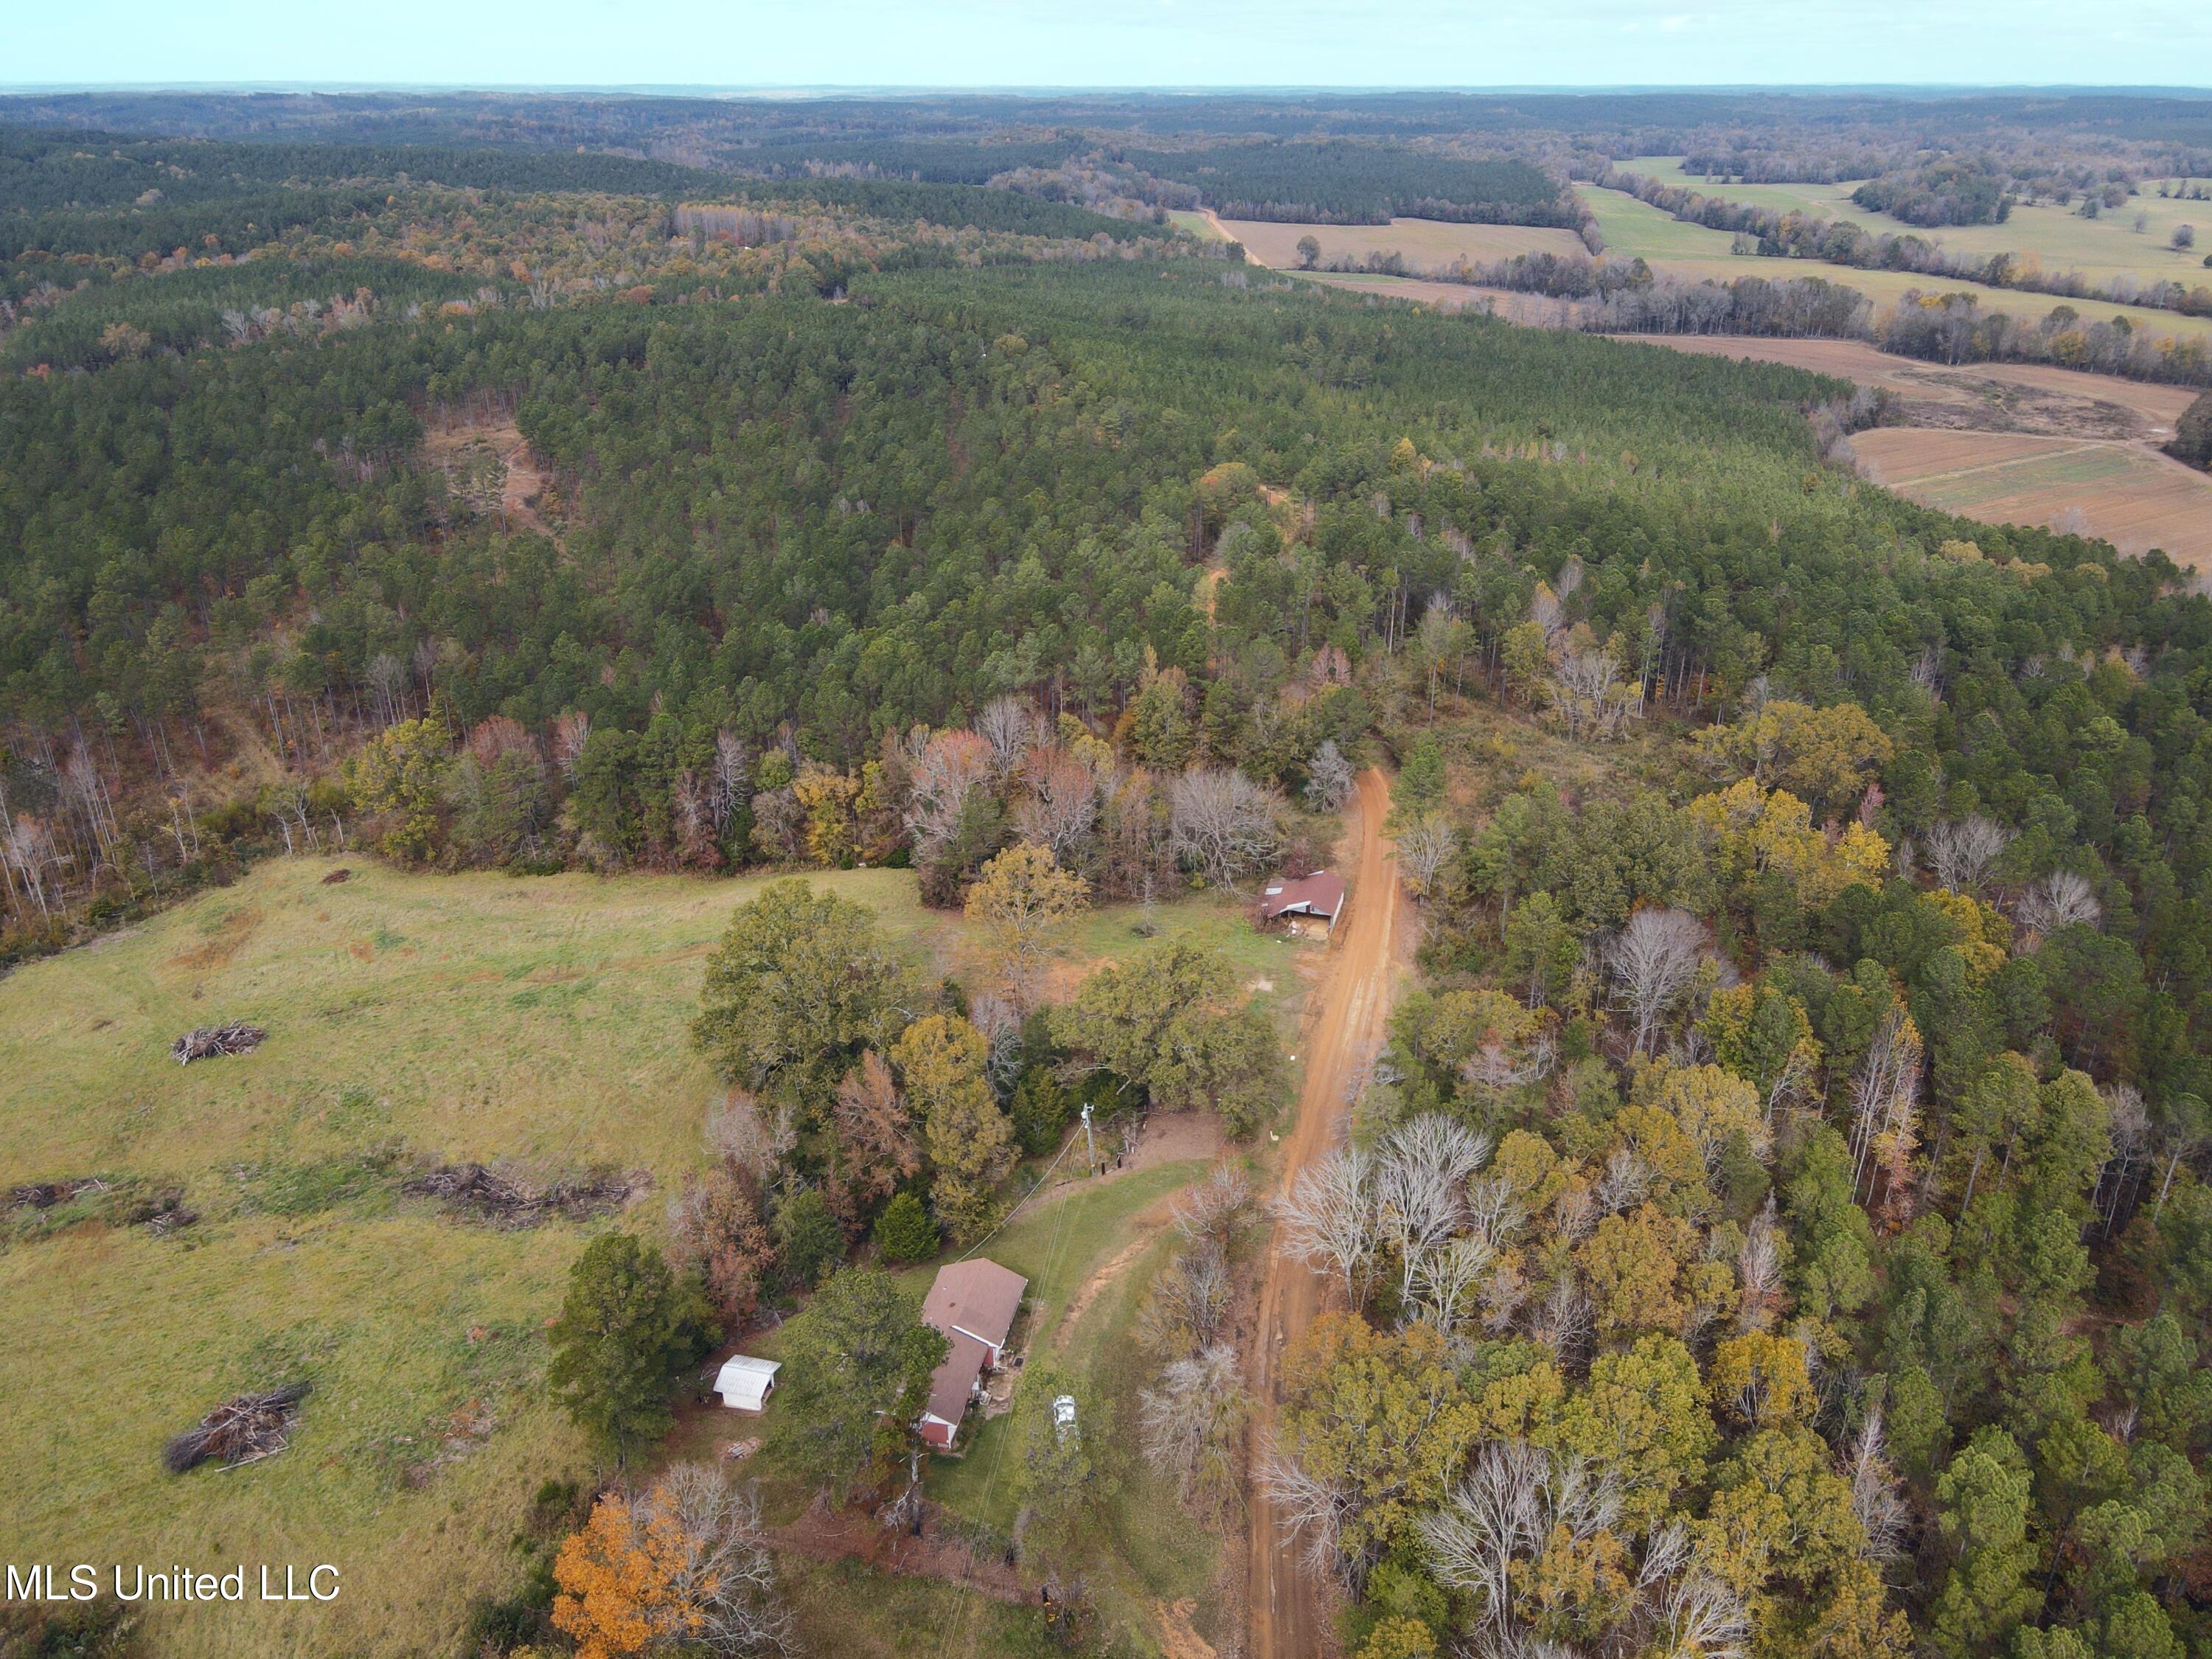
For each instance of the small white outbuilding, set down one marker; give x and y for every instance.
(745, 1382)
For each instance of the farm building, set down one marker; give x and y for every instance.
(974, 1304)
(1320, 896)
(745, 1382)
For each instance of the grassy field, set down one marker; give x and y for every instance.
(1636, 230)
(2133, 499)
(2055, 239)
(1195, 222)
(537, 1023)
(848, 1610)
(1426, 244)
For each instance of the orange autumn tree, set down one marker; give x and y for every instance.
(682, 1567)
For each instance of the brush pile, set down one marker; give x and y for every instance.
(206, 1042)
(163, 1213)
(241, 1430)
(474, 1192)
(44, 1194)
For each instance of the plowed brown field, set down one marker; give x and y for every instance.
(2134, 498)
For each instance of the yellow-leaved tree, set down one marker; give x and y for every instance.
(1018, 906)
(685, 1566)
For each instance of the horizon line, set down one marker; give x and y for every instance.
(313, 86)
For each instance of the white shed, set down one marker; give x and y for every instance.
(745, 1382)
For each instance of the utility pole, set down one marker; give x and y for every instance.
(1089, 1147)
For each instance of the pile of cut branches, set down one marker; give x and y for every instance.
(244, 1430)
(44, 1194)
(477, 1194)
(206, 1042)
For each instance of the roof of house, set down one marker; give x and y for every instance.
(1321, 893)
(746, 1377)
(980, 1298)
(952, 1383)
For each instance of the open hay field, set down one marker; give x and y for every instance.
(1426, 244)
(537, 1023)
(2134, 499)
(1633, 229)
(1531, 309)
(1199, 224)
(2054, 240)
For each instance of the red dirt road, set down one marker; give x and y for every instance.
(1351, 1005)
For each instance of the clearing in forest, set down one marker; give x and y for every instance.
(2133, 498)
(1426, 244)
(538, 1025)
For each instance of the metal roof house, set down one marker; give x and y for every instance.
(745, 1382)
(974, 1304)
(1321, 893)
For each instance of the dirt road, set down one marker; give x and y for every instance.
(1345, 1029)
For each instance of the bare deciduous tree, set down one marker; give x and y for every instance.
(1211, 1209)
(1009, 727)
(946, 768)
(726, 782)
(1310, 1508)
(1062, 807)
(721, 1578)
(1586, 696)
(1883, 1090)
(570, 732)
(1420, 1189)
(740, 1131)
(1758, 1272)
(1960, 853)
(1876, 1500)
(1000, 1022)
(1423, 848)
(2060, 900)
(1221, 823)
(1506, 1511)
(1189, 1305)
(1327, 1217)
(1189, 1424)
(1652, 960)
(1328, 778)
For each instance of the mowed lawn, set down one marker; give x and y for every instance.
(539, 1024)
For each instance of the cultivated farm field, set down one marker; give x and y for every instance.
(2132, 498)
(539, 1025)
(1994, 397)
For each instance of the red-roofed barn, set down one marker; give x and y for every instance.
(1321, 893)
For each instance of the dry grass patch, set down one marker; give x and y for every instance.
(538, 1027)
(2136, 500)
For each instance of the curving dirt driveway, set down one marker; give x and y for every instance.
(1345, 1030)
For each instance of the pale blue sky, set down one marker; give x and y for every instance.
(979, 43)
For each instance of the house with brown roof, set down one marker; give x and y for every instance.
(974, 1304)
(1319, 894)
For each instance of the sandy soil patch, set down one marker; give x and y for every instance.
(489, 465)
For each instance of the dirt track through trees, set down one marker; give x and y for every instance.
(1344, 1033)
